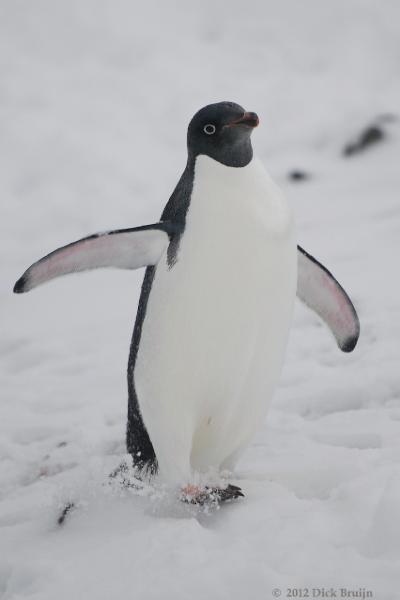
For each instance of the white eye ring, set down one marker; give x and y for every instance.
(209, 129)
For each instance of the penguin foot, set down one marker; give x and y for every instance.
(192, 494)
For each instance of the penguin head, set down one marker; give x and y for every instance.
(222, 131)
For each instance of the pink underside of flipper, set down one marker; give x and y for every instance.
(124, 249)
(319, 290)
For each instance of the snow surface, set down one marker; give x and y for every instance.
(95, 97)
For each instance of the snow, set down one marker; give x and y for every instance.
(95, 99)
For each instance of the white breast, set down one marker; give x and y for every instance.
(216, 325)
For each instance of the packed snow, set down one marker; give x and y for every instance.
(95, 99)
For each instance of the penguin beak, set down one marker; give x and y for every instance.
(249, 119)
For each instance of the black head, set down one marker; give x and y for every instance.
(222, 131)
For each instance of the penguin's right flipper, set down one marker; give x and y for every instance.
(122, 248)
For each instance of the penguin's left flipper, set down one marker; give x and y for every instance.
(320, 291)
(123, 248)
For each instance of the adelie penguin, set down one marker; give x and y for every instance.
(222, 270)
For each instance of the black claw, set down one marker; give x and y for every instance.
(231, 492)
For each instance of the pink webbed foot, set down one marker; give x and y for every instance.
(193, 494)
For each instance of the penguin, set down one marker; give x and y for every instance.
(222, 272)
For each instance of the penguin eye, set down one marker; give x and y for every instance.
(209, 129)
